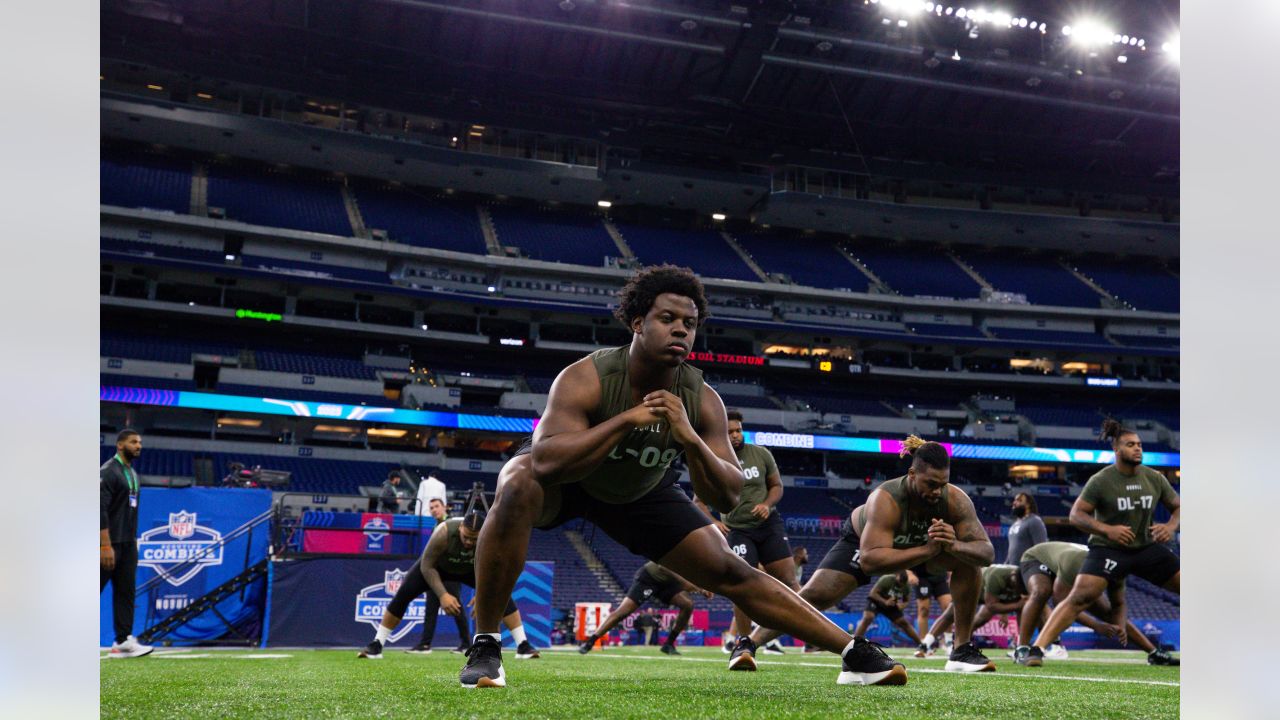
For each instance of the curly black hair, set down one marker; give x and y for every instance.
(637, 296)
(1113, 429)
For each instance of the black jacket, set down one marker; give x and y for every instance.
(115, 513)
(389, 500)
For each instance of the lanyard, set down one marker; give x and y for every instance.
(130, 478)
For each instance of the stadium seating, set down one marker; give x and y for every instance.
(1041, 279)
(807, 262)
(1051, 337)
(945, 331)
(140, 180)
(702, 251)
(148, 249)
(415, 218)
(554, 236)
(1136, 281)
(917, 272)
(278, 199)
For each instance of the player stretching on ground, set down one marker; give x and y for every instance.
(929, 586)
(1116, 509)
(448, 557)
(614, 423)
(1002, 592)
(754, 529)
(652, 582)
(887, 598)
(919, 518)
(1049, 570)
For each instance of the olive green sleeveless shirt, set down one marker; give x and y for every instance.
(456, 560)
(917, 516)
(636, 465)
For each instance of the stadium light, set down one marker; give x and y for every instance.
(604, 204)
(1173, 48)
(718, 217)
(1090, 33)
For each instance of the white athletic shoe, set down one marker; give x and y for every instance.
(773, 647)
(967, 658)
(130, 648)
(726, 649)
(1056, 652)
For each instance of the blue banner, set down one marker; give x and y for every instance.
(339, 602)
(176, 525)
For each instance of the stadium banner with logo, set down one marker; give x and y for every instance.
(177, 524)
(824, 525)
(338, 602)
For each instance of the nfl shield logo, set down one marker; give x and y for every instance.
(182, 525)
(393, 580)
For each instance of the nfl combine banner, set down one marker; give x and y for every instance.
(180, 540)
(338, 602)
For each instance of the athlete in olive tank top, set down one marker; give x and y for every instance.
(613, 424)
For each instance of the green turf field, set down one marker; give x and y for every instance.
(621, 682)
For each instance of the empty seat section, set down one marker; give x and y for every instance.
(1056, 337)
(917, 271)
(414, 217)
(813, 263)
(945, 330)
(277, 199)
(554, 236)
(139, 180)
(312, 364)
(703, 251)
(1041, 279)
(1140, 282)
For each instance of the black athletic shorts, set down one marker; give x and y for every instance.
(843, 556)
(649, 526)
(931, 586)
(646, 588)
(1028, 568)
(1154, 563)
(893, 612)
(762, 544)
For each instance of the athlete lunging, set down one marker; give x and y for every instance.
(652, 583)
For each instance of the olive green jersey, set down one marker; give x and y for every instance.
(456, 560)
(917, 515)
(637, 463)
(1063, 559)
(757, 465)
(659, 573)
(891, 588)
(1131, 500)
(1001, 581)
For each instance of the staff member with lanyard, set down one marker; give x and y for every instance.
(118, 539)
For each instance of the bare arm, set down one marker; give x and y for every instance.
(718, 522)
(1163, 532)
(566, 446)
(878, 556)
(997, 607)
(1082, 519)
(713, 466)
(773, 483)
(971, 546)
(877, 597)
(435, 550)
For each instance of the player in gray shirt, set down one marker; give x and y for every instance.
(1027, 530)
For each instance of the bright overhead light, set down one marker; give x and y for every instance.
(961, 13)
(1172, 48)
(950, 10)
(1022, 22)
(1122, 59)
(386, 432)
(902, 23)
(1066, 30)
(1142, 43)
(604, 204)
(1089, 33)
(718, 217)
(1033, 25)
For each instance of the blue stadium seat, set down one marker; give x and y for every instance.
(416, 218)
(140, 180)
(1138, 282)
(1041, 279)
(703, 251)
(554, 236)
(815, 263)
(915, 271)
(279, 199)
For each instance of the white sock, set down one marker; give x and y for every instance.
(517, 634)
(497, 637)
(848, 647)
(384, 632)
(928, 639)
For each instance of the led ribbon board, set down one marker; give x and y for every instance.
(494, 423)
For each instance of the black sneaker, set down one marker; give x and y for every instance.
(867, 664)
(1162, 657)
(743, 656)
(668, 649)
(921, 650)
(1021, 654)
(420, 649)
(967, 658)
(1034, 657)
(372, 651)
(526, 651)
(773, 647)
(585, 646)
(484, 665)
(461, 649)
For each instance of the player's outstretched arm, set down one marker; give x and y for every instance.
(435, 549)
(971, 546)
(713, 466)
(566, 446)
(1082, 519)
(878, 556)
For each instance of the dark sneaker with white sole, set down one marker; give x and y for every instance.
(668, 649)
(419, 649)
(484, 665)
(1033, 658)
(1162, 657)
(967, 658)
(526, 651)
(372, 651)
(585, 646)
(743, 656)
(867, 664)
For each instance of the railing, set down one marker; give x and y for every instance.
(290, 529)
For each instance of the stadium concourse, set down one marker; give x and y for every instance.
(346, 244)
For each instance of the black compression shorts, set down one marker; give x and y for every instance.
(1154, 563)
(763, 544)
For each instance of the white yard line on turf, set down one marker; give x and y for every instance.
(830, 666)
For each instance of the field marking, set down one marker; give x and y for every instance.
(188, 655)
(1123, 681)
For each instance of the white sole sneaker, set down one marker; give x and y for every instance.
(960, 667)
(895, 676)
(484, 682)
(743, 663)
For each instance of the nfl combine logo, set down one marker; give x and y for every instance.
(372, 601)
(180, 550)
